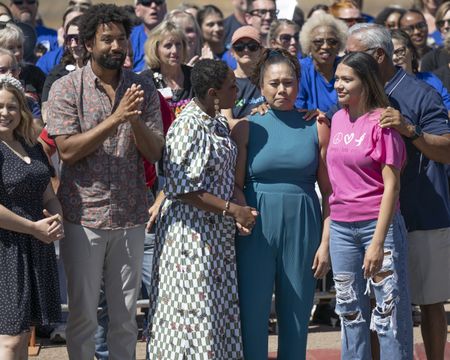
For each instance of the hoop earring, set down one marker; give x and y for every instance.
(216, 106)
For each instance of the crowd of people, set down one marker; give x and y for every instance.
(212, 164)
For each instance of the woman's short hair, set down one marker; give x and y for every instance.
(277, 24)
(11, 33)
(404, 38)
(206, 11)
(318, 20)
(366, 68)
(318, 7)
(271, 57)
(26, 129)
(6, 52)
(178, 14)
(441, 11)
(156, 36)
(207, 74)
(338, 5)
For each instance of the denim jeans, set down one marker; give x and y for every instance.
(391, 318)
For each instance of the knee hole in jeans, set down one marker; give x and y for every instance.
(344, 287)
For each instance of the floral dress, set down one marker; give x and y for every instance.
(194, 309)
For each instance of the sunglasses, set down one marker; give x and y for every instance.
(73, 37)
(21, 2)
(251, 46)
(150, 2)
(352, 20)
(442, 23)
(286, 38)
(262, 13)
(422, 26)
(318, 43)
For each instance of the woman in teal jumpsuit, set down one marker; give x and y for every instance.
(281, 156)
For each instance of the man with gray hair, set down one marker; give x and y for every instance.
(152, 13)
(419, 115)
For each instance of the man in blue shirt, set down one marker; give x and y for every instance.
(25, 11)
(422, 119)
(152, 13)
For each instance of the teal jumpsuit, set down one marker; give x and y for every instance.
(282, 163)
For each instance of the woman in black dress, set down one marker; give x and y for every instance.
(29, 292)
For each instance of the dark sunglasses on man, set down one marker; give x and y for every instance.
(251, 46)
(150, 2)
(21, 2)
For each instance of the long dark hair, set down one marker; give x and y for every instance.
(366, 68)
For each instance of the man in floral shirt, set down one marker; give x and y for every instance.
(104, 120)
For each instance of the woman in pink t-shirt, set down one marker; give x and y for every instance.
(367, 232)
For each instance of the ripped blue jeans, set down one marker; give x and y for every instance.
(391, 318)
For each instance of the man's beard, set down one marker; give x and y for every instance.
(111, 63)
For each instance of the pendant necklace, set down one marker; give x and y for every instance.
(25, 158)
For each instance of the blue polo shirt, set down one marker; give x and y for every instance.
(314, 92)
(435, 82)
(424, 194)
(50, 59)
(138, 38)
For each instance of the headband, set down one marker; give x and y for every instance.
(9, 80)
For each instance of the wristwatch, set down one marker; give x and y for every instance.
(418, 132)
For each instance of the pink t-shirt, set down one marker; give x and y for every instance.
(355, 156)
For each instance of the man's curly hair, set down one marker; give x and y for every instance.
(103, 14)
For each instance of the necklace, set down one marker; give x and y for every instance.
(25, 158)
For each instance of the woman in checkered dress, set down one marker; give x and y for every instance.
(194, 310)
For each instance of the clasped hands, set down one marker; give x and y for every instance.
(49, 229)
(129, 107)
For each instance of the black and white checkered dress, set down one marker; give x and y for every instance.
(194, 310)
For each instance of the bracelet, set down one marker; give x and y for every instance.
(227, 207)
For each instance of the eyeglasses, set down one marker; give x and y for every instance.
(400, 52)
(318, 43)
(20, 2)
(251, 46)
(8, 70)
(263, 12)
(74, 37)
(150, 2)
(286, 38)
(422, 26)
(442, 23)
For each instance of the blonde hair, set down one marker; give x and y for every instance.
(156, 36)
(26, 129)
(176, 14)
(318, 20)
(11, 33)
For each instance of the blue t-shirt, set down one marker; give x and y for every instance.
(138, 38)
(424, 194)
(434, 81)
(314, 92)
(50, 59)
(47, 37)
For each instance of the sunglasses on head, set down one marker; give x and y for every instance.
(150, 2)
(251, 46)
(21, 2)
